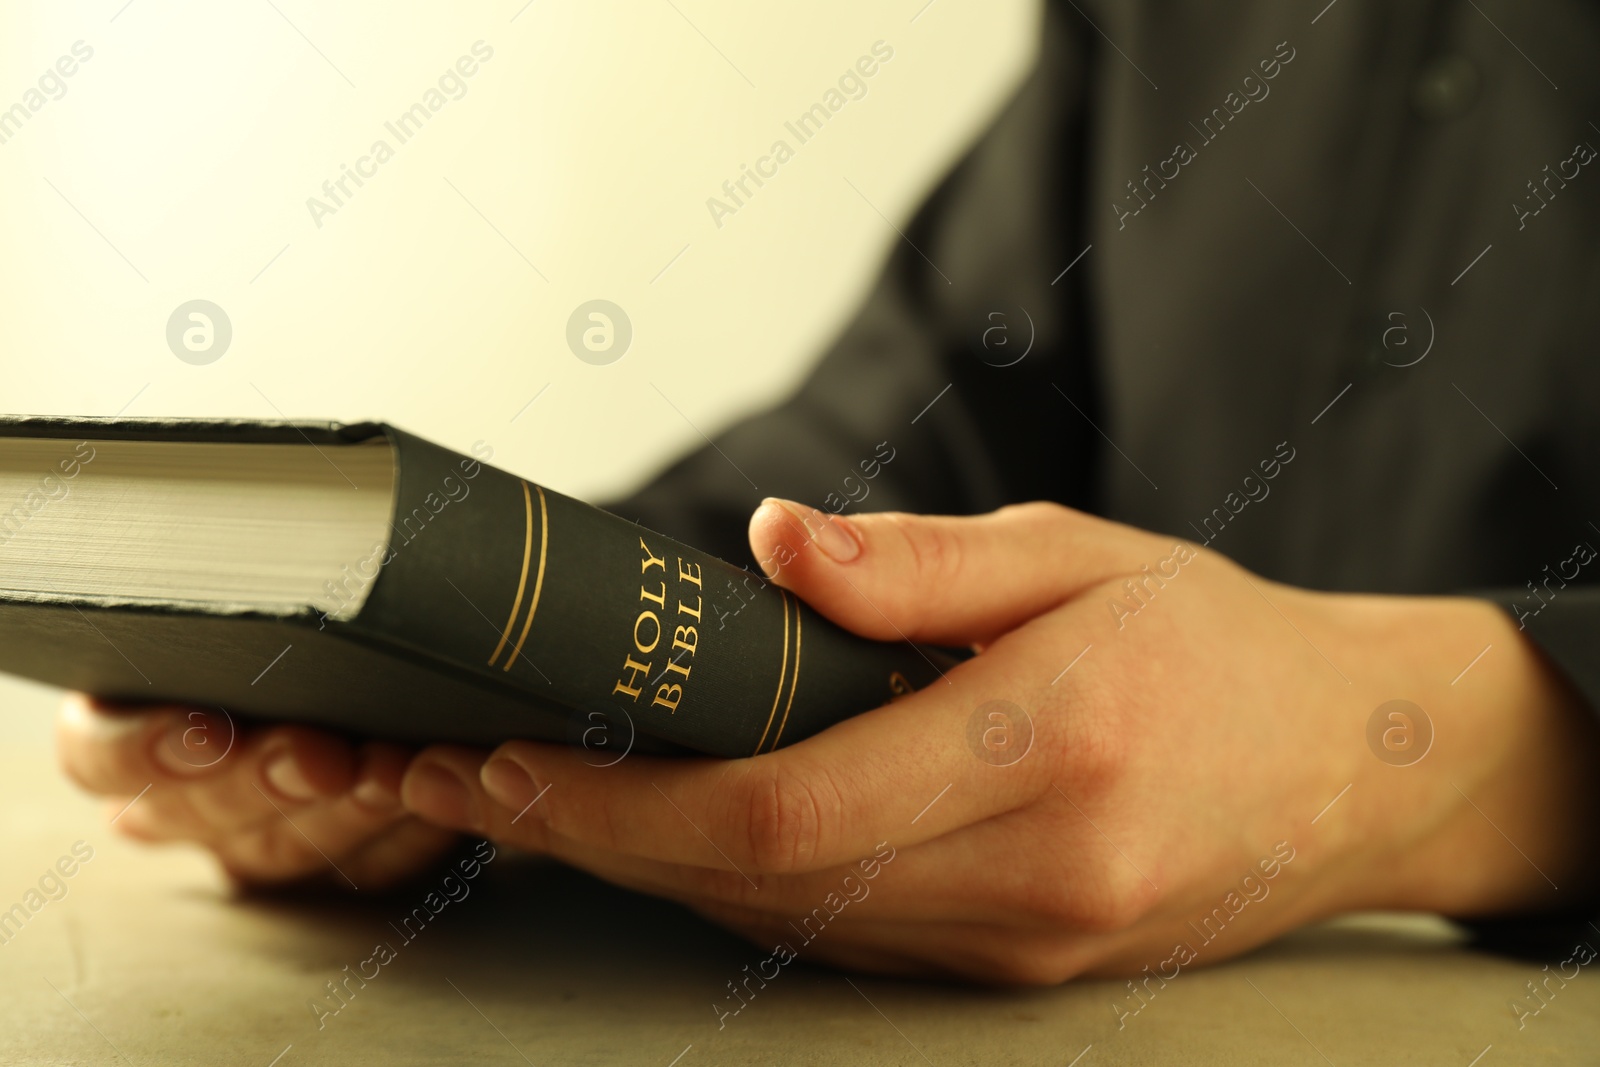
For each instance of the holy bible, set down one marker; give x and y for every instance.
(362, 579)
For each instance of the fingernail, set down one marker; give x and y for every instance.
(285, 775)
(186, 749)
(510, 785)
(438, 795)
(833, 536)
(374, 795)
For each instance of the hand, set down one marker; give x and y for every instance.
(1199, 778)
(255, 797)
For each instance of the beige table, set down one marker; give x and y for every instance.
(146, 960)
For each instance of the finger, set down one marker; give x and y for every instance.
(922, 887)
(903, 774)
(264, 775)
(341, 839)
(112, 751)
(440, 785)
(282, 768)
(1091, 888)
(399, 853)
(950, 879)
(945, 580)
(361, 837)
(381, 768)
(337, 824)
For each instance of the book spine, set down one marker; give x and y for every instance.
(599, 619)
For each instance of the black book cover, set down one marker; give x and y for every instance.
(496, 609)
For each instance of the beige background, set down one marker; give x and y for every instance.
(590, 143)
(177, 166)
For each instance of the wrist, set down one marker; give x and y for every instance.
(1497, 815)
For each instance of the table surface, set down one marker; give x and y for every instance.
(148, 959)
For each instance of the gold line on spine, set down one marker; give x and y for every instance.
(522, 583)
(794, 679)
(538, 582)
(783, 669)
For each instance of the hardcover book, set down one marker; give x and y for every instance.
(363, 579)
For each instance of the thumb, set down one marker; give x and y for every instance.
(944, 579)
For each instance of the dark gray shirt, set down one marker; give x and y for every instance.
(1225, 235)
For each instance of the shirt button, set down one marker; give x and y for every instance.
(1445, 88)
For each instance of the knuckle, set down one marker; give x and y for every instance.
(1043, 512)
(788, 816)
(1091, 753)
(1123, 899)
(1015, 958)
(1099, 884)
(1103, 893)
(1111, 906)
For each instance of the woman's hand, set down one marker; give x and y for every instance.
(1158, 759)
(274, 804)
